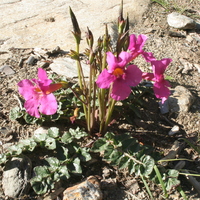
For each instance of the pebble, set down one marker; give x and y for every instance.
(7, 70)
(67, 67)
(31, 60)
(175, 129)
(181, 99)
(86, 190)
(16, 176)
(179, 21)
(186, 66)
(198, 67)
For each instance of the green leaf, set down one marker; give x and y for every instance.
(29, 119)
(50, 143)
(148, 166)
(64, 172)
(75, 166)
(171, 183)
(15, 150)
(15, 113)
(53, 132)
(42, 171)
(40, 137)
(3, 158)
(124, 162)
(77, 133)
(173, 173)
(66, 138)
(37, 186)
(131, 167)
(100, 145)
(53, 162)
(84, 154)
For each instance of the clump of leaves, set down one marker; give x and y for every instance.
(67, 159)
(125, 151)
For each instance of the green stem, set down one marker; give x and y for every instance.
(146, 186)
(109, 114)
(182, 192)
(160, 180)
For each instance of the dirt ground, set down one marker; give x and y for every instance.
(152, 128)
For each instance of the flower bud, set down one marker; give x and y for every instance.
(77, 31)
(89, 38)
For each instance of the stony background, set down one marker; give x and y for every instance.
(47, 24)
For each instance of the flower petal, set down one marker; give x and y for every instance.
(120, 90)
(26, 88)
(147, 76)
(43, 79)
(105, 79)
(159, 66)
(120, 61)
(148, 56)
(133, 75)
(48, 104)
(161, 90)
(31, 106)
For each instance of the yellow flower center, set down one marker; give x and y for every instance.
(118, 72)
(38, 90)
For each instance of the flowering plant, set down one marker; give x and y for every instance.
(112, 76)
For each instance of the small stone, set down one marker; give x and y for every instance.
(198, 67)
(179, 21)
(31, 60)
(189, 38)
(164, 107)
(16, 176)
(181, 100)
(186, 66)
(175, 129)
(7, 70)
(67, 67)
(89, 189)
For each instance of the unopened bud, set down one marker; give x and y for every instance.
(89, 38)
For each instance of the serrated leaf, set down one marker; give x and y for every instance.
(50, 143)
(39, 186)
(64, 172)
(15, 150)
(3, 158)
(100, 145)
(77, 133)
(171, 183)
(108, 151)
(66, 138)
(173, 173)
(148, 166)
(84, 154)
(53, 162)
(42, 171)
(53, 132)
(75, 166)
(30, 119)
(124, 162)
(131, 167)
(15, 113)
(40, 137)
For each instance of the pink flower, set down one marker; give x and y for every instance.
(160, 86)
(119, 76)
(136, 47)
(38, 94)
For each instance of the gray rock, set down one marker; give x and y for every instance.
(67, 67)
(25, 23)
(181, 100)
(179, 21)
(7, 70)
(16, 176)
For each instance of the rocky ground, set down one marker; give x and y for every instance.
(182, 46)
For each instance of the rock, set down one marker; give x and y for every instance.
(16, 176)
(164, 107)
(179, 21)
(181, 100)
(89, 189)
(198, 67)
(67, 67)
(7, 70)
(175, 129)
(46, 23)
(186, 66)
